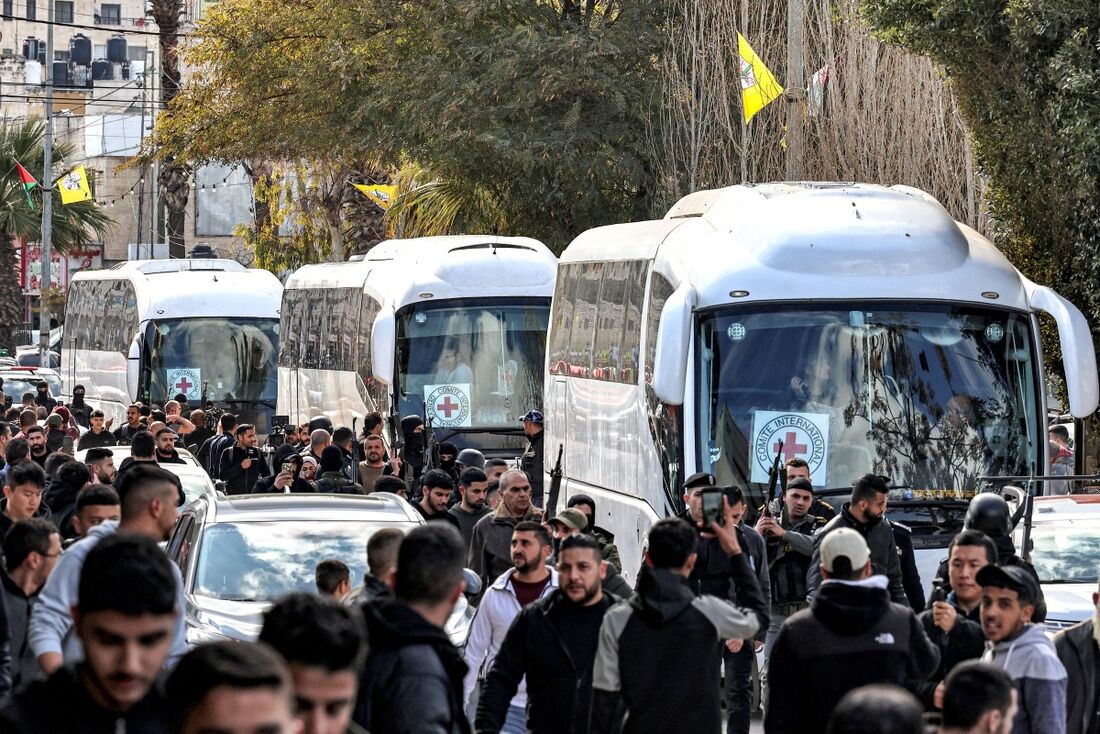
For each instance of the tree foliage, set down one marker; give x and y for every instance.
(1024, 72)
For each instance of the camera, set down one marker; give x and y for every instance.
(277, 434)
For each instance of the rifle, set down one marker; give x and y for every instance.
(773, 479)
(431, 457)
(398, 437)
(555, 485)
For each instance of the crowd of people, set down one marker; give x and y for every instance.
(93, 634)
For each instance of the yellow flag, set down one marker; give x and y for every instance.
(74, 186)
(758, 86)
(383, 196)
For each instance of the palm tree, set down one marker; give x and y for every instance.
(72, 226)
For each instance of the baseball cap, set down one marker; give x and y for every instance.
(1015, 578)
(801, 483)
(534, 416)
(700, 479)
(844, 543)
(571, 517)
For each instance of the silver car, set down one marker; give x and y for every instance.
(239, 554)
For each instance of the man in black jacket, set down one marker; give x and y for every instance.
(61, 496)
(851, 636)
(1077, 649)
(953, 622)
(412, 681)
(665, 622)
(241, 464)
(109, 691)
(99, 436)
(866, 514)
(553, 643)
(210, 453)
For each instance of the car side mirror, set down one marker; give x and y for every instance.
(1078, 352)
(133, 367)
(383, 338)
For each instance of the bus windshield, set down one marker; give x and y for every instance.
(472, 364)
(931, 396)
(233, 358)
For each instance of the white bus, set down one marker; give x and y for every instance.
(454, 327)
(147, 330)
(859, 325)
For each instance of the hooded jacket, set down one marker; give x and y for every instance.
(490, 552)
(852, 635)
(880, 540)
(61, 499)
(1030, 660)
(546, 644)
(498, 609)
(659, 655)
(239, 480)
(412, 680)
(1076, 648)
(335, 482)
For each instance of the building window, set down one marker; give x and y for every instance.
(110, 15)
(63, 11)
(32, 9)
(9, 8)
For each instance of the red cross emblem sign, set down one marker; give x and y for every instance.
(803, 436)
(185, 380)
(448, 406)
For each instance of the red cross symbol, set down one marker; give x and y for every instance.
(184, 385)
(791, 449)
(447, 407)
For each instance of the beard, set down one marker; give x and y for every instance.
(589, 593)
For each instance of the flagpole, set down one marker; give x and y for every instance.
(742, 28)
(47, 199)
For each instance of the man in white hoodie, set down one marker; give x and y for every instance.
(1022, 649)
(528, 579)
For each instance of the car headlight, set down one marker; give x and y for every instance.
(198, 634)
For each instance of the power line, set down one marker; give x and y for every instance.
(82, 26)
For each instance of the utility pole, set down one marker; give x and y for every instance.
(796, 82)
(144, 168)
(47, 199)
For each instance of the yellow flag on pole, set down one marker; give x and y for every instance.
(74, 186)
(758, 86)
(383, 196)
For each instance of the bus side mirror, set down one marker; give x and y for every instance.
(133, 367)
(1078, 353)
(670, 362)
(383, 343)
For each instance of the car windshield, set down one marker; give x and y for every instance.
(16, 386)
(1066, 550)
(262, 561)
(932, 396)
(475, 365)
(234, 359)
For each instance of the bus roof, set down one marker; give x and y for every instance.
(466, 266)
(814, 240)
(175, 289)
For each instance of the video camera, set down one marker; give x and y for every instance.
(277, 435)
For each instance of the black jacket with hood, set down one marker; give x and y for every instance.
(852, 635)
(412, 680)
(885, 559)
(659, 658)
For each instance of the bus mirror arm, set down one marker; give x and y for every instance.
(670, 361)
(133, 366)
(1078, 352)
(383, 341)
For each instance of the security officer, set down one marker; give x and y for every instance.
(788, 531)
(531, 461)
(989, 513)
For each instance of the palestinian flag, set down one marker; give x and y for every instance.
(28, 183)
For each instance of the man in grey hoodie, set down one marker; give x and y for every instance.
(1022, 649)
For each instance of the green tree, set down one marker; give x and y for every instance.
(1024, 73)
(72, 226)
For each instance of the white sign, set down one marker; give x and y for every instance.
(804, 436)
(448, 406)
(187, 381)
